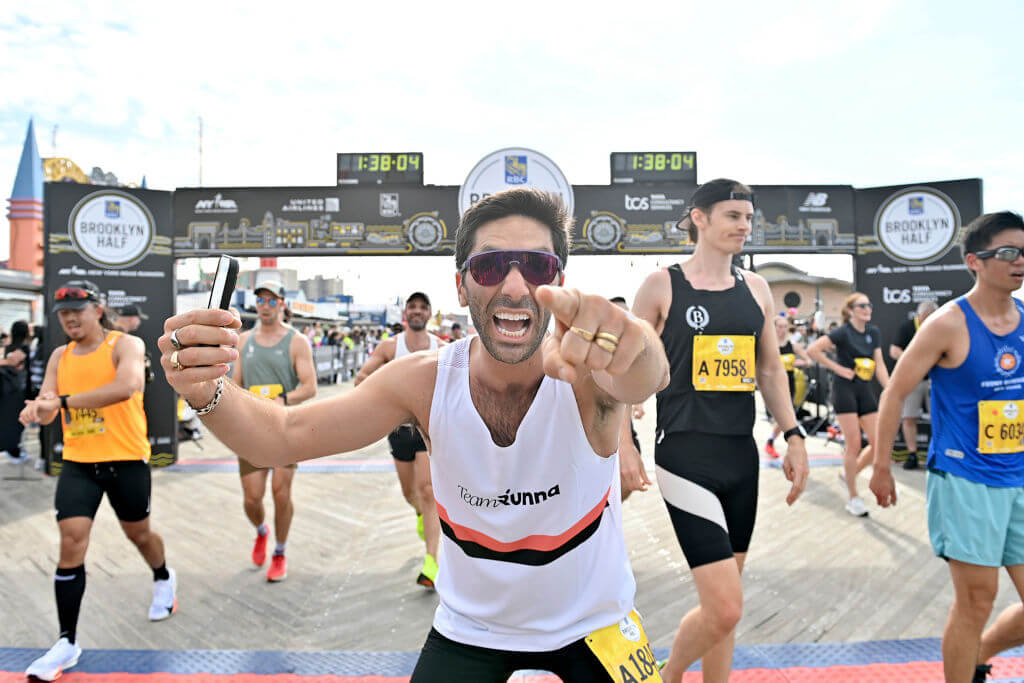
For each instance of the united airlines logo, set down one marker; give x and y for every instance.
(697, 317)
(515, 169)
(1007, 361)
(112, 208)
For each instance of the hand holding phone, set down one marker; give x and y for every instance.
(224, 282)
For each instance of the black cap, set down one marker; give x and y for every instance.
(456, 326)
(75, 295)
(709, 194)
(418, 295)
(132, 309)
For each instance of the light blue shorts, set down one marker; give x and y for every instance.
(975, 523)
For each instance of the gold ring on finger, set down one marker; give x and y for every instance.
(606, 344)
(608, 336)
(587, 336)
(175, 363)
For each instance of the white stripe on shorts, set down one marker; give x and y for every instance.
(689, 497)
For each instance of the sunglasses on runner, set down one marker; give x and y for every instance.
(266, 301)
(489, 268)
(1001, 253)
(867, 305)
(73, 294)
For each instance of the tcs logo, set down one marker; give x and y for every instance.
(895, 296)
(637, 203)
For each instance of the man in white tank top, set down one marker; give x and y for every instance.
(407, 446)
(524, 430)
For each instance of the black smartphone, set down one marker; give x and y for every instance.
(224, 282)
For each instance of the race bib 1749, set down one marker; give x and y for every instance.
(624, 651)
(723, 362)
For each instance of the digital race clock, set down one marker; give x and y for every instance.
(377, 168)
(647, 167)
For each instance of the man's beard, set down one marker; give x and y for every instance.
(482, 321)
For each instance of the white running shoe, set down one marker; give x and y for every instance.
(58, 659)
(856, 507)
(165, 600)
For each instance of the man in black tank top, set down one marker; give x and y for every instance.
(715, 321)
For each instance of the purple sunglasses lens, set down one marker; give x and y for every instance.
(491, 267)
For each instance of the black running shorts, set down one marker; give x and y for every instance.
(443, 660)
(709, 483)
(854, 396)
(81, 486)
(406, 442)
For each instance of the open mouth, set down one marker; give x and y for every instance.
(512, 325)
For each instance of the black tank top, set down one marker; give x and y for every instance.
(733, 311)
(787, 348)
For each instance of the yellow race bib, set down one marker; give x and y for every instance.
(1000, 427)
(865, 368)
(270, 391)
(723, 362)
(624, 651)
(789, 361)
(83, 422)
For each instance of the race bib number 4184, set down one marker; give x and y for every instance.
(723, 362)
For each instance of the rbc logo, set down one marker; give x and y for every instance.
(515, 170)
(916, 206)
(112, 208)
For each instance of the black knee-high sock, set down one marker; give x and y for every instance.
(69, 586)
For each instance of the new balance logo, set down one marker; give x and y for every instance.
(816, 199)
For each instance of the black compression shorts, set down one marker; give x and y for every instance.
(405, 443)
(443, 660)
(854, 397)
(709, 483)
(81, 486)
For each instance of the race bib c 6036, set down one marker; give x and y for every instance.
(723, 362)
(1000, 426)
(624, 651)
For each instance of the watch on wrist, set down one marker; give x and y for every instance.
(64, 401)
(284, 397)
(795, 431)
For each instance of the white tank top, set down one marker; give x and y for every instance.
(533, 556)
(402, 350)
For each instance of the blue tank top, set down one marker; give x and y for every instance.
(991, 372)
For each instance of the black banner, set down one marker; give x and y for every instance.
(908, 251)
(639, 218)
(119, 239)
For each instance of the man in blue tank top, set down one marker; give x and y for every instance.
(972, 348)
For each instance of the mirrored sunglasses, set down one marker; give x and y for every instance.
(489, 268)
(1001, 253)
(267, 301)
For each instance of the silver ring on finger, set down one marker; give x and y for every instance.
(175, 363)
(174, 340)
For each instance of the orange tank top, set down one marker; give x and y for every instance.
(114, 432)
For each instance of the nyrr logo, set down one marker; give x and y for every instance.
(726, 346)
(697, 317)
(1011, 411)
(515, 169)
(637, 203)
(216, 205)
(1007, 361)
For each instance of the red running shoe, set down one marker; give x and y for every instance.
(259, 549)
(769, 449)
(278, 568)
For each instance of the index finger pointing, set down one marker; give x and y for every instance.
(563, 303)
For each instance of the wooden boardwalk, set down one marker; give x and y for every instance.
(813, 574)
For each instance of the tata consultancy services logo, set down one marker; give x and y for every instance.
(917, 225)
(513, 167)
(111, 229)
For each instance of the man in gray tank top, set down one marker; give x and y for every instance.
(277, 364)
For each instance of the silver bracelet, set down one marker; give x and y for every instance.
(208, 408)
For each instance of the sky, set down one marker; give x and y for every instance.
(866, 93)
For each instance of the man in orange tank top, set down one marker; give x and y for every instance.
(95, 383)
